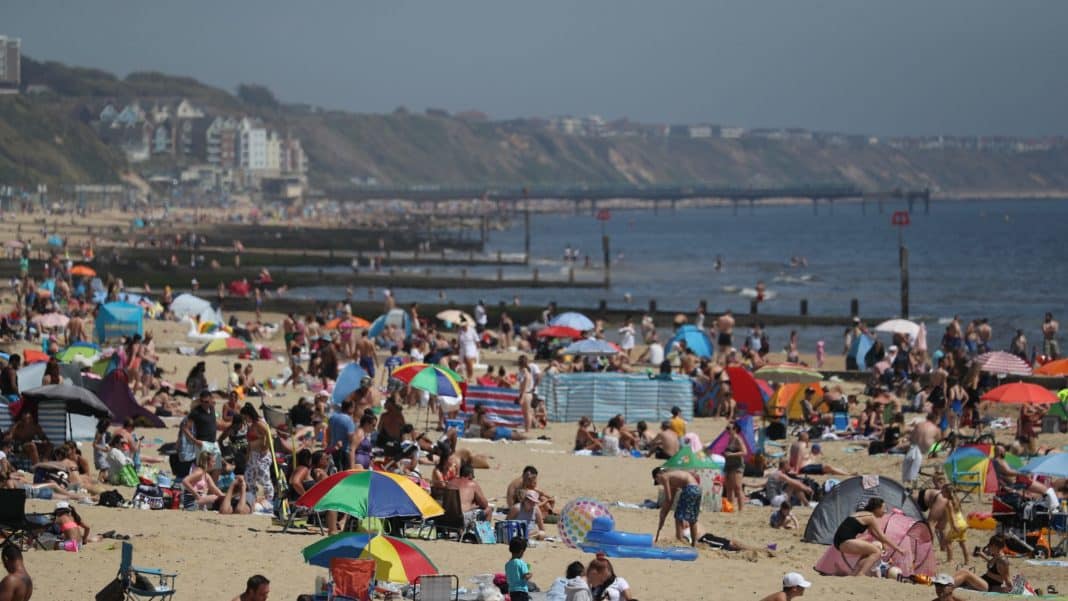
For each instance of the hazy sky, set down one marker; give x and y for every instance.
(884, 67)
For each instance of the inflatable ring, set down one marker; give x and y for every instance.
(613, 537)
(669, 553)
(981, 521)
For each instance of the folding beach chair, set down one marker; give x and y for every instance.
(353, 579)
(450, 523)
(440, 587)
(16, 525)
(143, 583)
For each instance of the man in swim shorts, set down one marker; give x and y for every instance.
(681, 490)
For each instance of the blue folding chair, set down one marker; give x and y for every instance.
(144, 583)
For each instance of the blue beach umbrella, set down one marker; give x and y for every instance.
(1054, 465)
(592, 347)
(577, 321)
(347, 381)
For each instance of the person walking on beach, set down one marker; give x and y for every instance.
(517, 571)
(1050, 348)
(681, 484)
(793, 585)
(724, 339)
(17, 585)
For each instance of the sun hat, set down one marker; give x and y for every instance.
(792, 579)
(943, 579)
(531, 495)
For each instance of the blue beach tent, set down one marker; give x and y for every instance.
(695, 338)
(397, 317)
(118, 319)
(858, 350)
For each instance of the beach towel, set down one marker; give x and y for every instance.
(501, 405)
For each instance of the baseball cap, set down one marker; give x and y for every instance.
(943, 579)
(792, 579)
(62, 505)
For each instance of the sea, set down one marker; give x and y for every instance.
(1003, 260)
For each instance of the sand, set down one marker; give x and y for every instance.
(214, 554)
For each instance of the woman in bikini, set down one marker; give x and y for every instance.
(301, 479)
(360, 441)
(734, 467)
(586, 436)
(73, 531)
(199, 488)
(866, 520)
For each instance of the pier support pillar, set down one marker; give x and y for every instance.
(526, 234)
(652, 307)
(903, 258)
(804, 307)
(854, 307)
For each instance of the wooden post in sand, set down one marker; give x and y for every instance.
(526, 233)
(606, 245)
(903, 257)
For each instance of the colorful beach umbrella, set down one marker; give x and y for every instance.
(396, 559)
(225, 345)
(788, 373)
(339, 323)
(365, 493)
(1000, 362)
(1020, 392)
(559, 332)
(1053, 368)
(455, 316)
(83, 271)
(431, 378)
(750, 393)
(688, 459)
(577, 321)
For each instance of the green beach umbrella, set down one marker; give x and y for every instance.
(688, 459)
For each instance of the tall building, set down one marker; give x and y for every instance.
(252, 149)
(10, 63)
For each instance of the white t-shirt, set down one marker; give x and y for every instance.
(627, 337)
(468, 340)
(116, 461)
(656, 353)
(614, 592)
(480, 315)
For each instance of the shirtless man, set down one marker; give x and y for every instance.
(76, 328)
(665, 444)
(17, 585)
(473, 501)
(529, 481)
(1050, 348)
(921, 439)
(365, 351)
(725, 327)
(364, 397)
(793, 585)
(780, 480)
(681, 484)
(256, 589)
(801, 459)
(26, 433)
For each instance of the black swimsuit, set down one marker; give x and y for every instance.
(921, 500)
(850, 528)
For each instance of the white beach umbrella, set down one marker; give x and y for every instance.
(899, 326)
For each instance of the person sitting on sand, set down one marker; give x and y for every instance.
(866, 520)
(793, 585)
(801, 459)
(490, 431)
(780, 483)
(997, 578)
(783, 518)
(944, 586)
(17, 585)
(72, 529)
(666, 443)
(528, 510)
(528, 481)
(473, 502)
(586, 436)
(603, 582)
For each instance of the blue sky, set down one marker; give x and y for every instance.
(891, 68)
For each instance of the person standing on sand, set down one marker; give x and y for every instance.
(256, 589)
(921, 439)
(1050, 348)
(681, 484)
(368, 359)
(626, 337)
(725, 328)
(17, 585)
(793, 585)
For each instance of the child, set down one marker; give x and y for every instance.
(677, 423)
(783, 518)
(956, 526)
(541, 417)
(576, 588)
(393, 361)
(517, 572)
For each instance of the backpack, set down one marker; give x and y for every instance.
(111, 498)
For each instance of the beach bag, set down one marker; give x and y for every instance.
(485, 534)
(506, 530)
(150, 495)
(112, 592)
(111, 498)
(127, 476)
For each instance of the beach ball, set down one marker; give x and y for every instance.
(576, 519)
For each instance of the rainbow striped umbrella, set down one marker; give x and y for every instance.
(225, 345)
(396, 560)
(365, 494)
(431, 378)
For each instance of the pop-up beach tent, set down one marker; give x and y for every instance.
(115, 392)
(850, 495)
(65, 412)
(395, 317)
(857, 350)
(115, 320)
(913, 536)
(695, 338)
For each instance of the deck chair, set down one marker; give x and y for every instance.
(966, 482)
(440, 587)
(275, 417)
(143, 583)
(353, 579)
(16, 525)
(452, 522)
